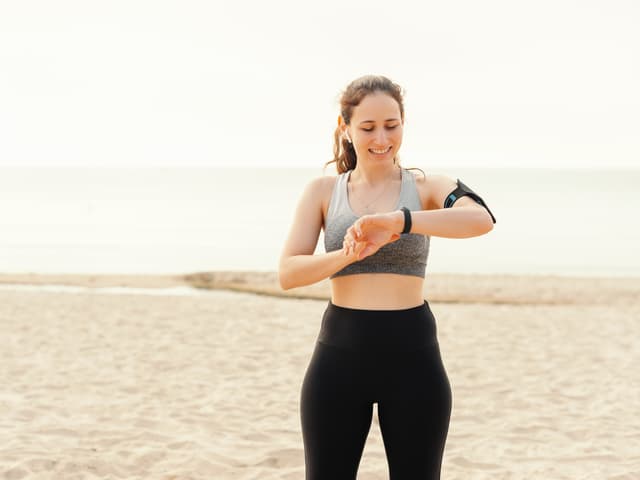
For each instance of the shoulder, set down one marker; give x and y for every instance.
(322, 184)
(318, 191)
(433, 188)
(441, 186)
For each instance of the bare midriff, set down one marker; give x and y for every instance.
(377, 291)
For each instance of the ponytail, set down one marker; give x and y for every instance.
(343, 153)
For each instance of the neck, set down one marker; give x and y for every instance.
(374, 175)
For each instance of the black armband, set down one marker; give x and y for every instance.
(461, 191)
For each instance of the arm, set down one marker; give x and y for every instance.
(464, 219)
(298, 264)
(301, 270)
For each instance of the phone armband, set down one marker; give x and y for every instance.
(462, 190)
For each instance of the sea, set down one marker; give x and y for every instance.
(172, 220)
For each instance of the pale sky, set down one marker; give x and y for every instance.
(154, 83)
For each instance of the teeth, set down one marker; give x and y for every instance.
(380, 151)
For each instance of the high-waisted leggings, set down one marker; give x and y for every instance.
(388, 357)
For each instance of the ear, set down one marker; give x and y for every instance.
(342, 125)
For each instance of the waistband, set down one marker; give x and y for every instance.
(401, 330)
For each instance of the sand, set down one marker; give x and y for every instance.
(104, 384)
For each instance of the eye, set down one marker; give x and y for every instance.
(391, 127)
(368, 129)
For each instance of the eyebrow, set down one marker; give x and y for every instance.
(387, 120)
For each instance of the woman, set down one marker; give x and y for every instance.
(378, 341)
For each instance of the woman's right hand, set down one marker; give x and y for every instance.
(353, 249)
(371, 232)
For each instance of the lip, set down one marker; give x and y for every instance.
(387, 150)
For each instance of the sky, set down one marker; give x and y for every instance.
(551, 83)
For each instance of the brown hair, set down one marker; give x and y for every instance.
(343, 152)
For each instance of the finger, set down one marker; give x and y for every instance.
(352, 245)
(357, 228)
(350, 238)
(349, 247)
(368, 250)
(359, 248)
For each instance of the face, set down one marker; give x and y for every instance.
(376, 128)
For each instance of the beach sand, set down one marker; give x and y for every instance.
(104, 384)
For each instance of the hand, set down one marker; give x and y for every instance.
(371, 232)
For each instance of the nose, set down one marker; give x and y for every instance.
(381, 137)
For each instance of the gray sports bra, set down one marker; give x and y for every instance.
(406, 256)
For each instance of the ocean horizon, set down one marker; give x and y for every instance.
(172, 220)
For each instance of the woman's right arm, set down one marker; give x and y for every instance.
(298, 264)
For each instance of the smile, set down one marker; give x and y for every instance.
(380, 152)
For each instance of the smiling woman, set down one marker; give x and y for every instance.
(378, 340)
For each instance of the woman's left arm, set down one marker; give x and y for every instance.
(464, 219)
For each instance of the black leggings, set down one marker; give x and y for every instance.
(362, 357)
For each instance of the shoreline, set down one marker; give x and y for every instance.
(439, 287)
